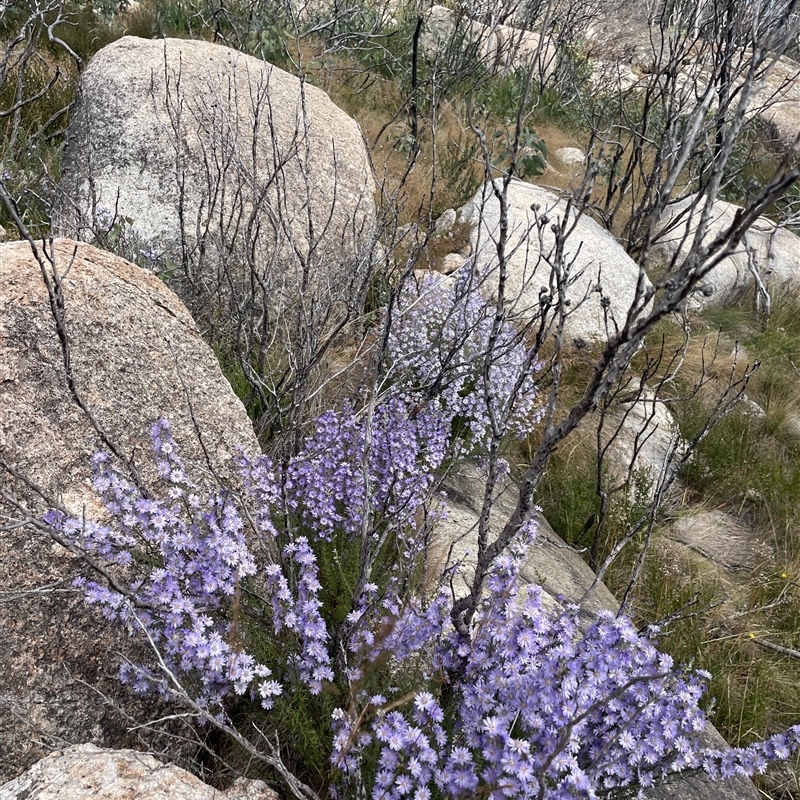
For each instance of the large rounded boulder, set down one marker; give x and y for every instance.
(553, 258)
(767, 256)
(502, 49)
(243, 185)
(84, 771)
(127, 348)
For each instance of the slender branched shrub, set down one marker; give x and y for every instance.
(520, 701)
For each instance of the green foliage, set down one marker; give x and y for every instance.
(37, 76)
(591, 518)
(779, 340)
(174, 18)
(28, 179)
(750, 460)
(716, 470)
(572, 71)
(498, 98)
(242, 388)
(386, 52)
(41, 81)
(458, 159)
(338, 574)
(757, 155)
(568, 497)
(752, 162)
(744, 467)
(564, 98)
(531, 153)
(84, 26)
(87, 28)
(302, 720)
(140, 21)
(260, 29)
(268, 44)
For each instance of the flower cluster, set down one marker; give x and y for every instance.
(302, 614)
(541, 708)
(356, 465)
(181, 603)
(384, 628)
(446, 342)
(542, 703)
(751, 760)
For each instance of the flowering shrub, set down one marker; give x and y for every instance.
(402, 447)
(538, 707)
(446, 342)
(182, 603)
(527, 704)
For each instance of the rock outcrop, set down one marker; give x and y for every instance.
(85, 771)
(247, 188)
(626, 35)
(570, 156)
(135, 355)
(720, 539)
(621, 32)
(602, 278)
(778, 102)
(768, 251)
(642, 444)
(557, 568)
(501, 48)
(611, 78)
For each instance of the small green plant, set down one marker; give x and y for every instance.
(591, 517)
(568, 498)
(531, 151)
(752, 162)
(269, 44)
(28, 178)
(497, 99)
(572, 70)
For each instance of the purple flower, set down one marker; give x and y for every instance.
(449, 344)
(529, 702)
